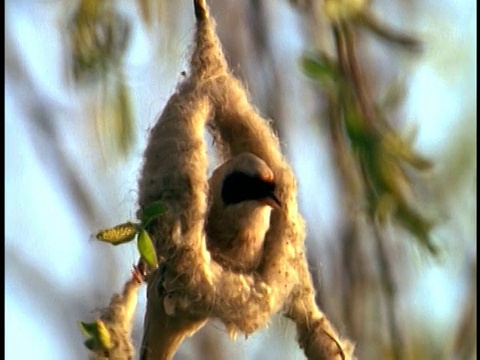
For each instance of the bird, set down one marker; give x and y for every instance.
(241, 198)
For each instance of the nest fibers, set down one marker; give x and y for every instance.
(190, 286)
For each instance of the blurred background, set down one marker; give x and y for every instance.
(86, 79)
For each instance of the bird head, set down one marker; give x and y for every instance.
(242, 196)
(244, 178)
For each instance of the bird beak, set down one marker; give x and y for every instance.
(272, 201)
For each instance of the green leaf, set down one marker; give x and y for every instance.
(319, 68)
(97, 334)
(146, 249)
(90, 344)
(87, 329)
(152, 211)
(124, 117)
(119, 234)
(356, 127)
(394, 144)
(418, 226)
(104, 338)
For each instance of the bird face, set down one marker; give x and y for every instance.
(238, 187)
(242, 197)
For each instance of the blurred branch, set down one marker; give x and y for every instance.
(371, 157)
(390, 293)
(384, 32)
(97, 39)
(465, 344)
